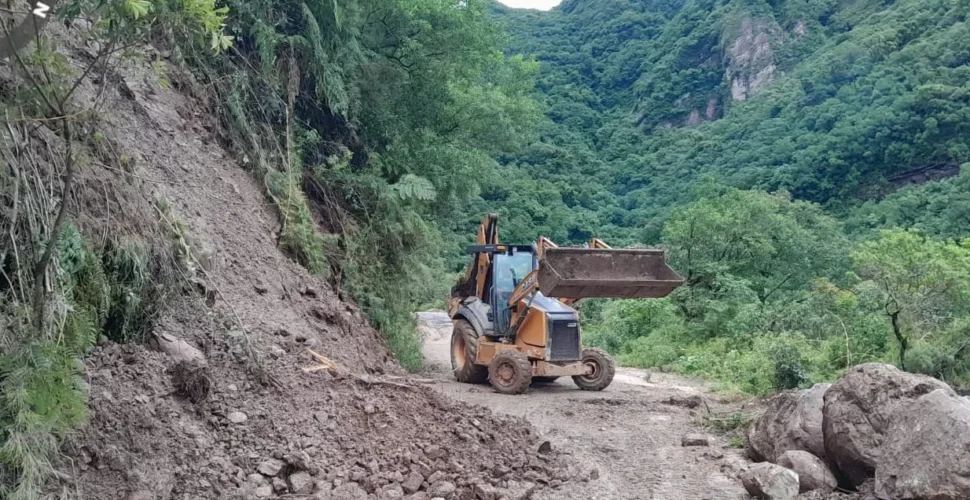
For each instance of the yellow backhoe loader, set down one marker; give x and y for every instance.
(512, 315)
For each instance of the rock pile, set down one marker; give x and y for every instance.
(319, 438)
(905, 436)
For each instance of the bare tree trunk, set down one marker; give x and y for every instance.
(901, 338)
(40, 269)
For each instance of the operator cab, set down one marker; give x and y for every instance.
(508, 269)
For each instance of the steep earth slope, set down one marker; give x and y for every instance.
(251, 423)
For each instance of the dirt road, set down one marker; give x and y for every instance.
(629, 435)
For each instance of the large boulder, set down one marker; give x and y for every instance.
(770, 482)
(793, 421)
(812, 472)
(859, 410)
(928, 454)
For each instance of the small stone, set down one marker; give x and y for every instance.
(442, 489)
(300, 482)
(413, 482)
(392, 492)
(594, 474)
(256, 478)
(349, 491)
(264, 491)
(279, 485)
(436, 476)
(694, 440)
(232, 388)
(237, 417)
(270, 467)
(484, 491)
(369, 409)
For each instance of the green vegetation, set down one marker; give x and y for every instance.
(58, 290)
(380, 118)
(799, 160)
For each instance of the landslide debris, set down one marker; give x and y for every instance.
(317, 435)
(226, 411)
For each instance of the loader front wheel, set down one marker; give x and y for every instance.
(510, 372)
(464, 349)
(601, 370)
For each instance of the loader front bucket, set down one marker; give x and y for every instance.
(606, 272)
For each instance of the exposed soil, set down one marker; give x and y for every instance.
(252, 423)
(629, 436)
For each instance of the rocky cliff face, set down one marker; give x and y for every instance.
(751, 58)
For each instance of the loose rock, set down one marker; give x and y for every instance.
(927, 450)
(441, 489)
(270, 467)
(413, 482)
(859, 409)
(300, 482)
(177, 348)
(695, 440)
(349, 491)
(264, 491)
(812, 472)
(770, 482)
(792, 421)
(237, 417)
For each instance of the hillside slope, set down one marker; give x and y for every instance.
(249, 423)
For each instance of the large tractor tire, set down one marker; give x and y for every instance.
(510, 372)
(544, 380)
(603, 369)
(464, 349)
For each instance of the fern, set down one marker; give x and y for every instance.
(414, 187)
(299, 235)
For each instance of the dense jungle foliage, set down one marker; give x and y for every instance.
(803, 163)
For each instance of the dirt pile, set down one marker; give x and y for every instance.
(315, 435)
(251, 423)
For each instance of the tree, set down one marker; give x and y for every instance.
(922, 284)
(749, 245)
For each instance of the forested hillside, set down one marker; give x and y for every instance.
(845, 118)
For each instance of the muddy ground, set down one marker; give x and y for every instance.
(629, 435)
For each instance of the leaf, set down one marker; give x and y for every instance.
(414, 187)
(137, 8)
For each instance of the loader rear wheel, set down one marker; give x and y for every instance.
(602, 369)
(464, 349)
(510, 372)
